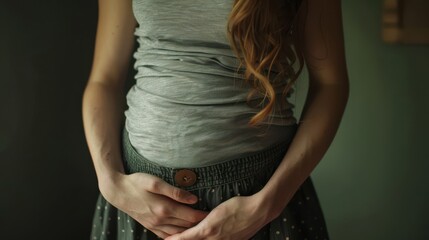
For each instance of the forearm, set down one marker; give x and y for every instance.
(320, 120)
(102, 112)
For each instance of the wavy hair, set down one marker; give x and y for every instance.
(264, 34)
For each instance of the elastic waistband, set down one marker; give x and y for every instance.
(208, 176)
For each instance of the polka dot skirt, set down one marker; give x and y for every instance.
(301, 219)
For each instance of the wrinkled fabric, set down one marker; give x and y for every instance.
(188, 101)
(301, 219)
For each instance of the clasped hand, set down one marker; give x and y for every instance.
(161, 208)
(238, 218)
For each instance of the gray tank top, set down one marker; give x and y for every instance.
(188, 106)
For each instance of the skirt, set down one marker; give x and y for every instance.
(301, 219)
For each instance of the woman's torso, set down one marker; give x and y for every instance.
(188, 106)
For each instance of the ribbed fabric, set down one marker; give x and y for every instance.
(188, 106)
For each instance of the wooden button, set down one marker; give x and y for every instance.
(185, 177)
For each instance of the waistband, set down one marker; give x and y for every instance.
(229, 171)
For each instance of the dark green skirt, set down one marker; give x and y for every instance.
(301, 219)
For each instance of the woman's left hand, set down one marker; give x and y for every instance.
(238, 218)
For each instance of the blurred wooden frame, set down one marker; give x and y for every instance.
(405, 21)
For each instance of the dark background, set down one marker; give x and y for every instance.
(372, 182)
(47, 181)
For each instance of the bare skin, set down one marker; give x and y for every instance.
(161, 207)
(155, 204)
(323, 46)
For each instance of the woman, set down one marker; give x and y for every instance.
(210, 148)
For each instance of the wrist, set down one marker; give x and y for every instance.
(265, 206)
(270, 204)
(108, 185)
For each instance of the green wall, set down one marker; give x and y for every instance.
(372, 181)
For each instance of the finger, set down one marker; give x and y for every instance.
(170, 208)
(179, 222)
(161, 187)
(170, 229)
(189, 234)
(188, 214)
(166, 221)
(160, 234)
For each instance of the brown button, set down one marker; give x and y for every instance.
(185, 177)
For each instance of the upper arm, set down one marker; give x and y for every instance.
(322, 41)
(114, 41)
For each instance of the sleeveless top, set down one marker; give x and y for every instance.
(188, 106)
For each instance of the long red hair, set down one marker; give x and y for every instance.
(264, 37)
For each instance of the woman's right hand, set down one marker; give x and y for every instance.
(152, 202)
(155, 204)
